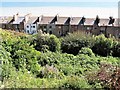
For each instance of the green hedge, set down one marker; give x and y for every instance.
(100, 45)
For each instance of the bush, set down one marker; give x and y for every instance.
(86, 51)
(20, 80)
(27, 58)
(75, 83)
(49, 72)
(5, 65)
(106, 46)
(116, 49)
(72, 43)
(25, 67)
(108, 76)
(100, 45)
(49, 42)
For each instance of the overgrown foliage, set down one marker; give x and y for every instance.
(99, 44)
(36, 61)
(43, 42)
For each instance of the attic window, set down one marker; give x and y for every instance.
(76, 27)
(50, 27)
(59, 27)
(33, 26)
(88, 28)
(44, 26)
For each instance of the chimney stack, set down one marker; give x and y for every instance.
(82, 20)
(111, 20)
(97, 21)
(15, 17)
(27, 17)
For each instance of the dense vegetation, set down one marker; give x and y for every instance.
(45, 61)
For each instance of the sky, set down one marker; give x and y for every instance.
(59, 0)
(88, 8)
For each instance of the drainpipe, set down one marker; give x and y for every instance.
(105, 30)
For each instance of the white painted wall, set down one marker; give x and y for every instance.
(31, 28)
(27, 28)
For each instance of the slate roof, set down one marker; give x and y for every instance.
(46, 20)
(116, 23)
(61, 20)
(89, 21)
(5, 19)
(19, 19)
(32, 20)
(104, 22)
(75, 20)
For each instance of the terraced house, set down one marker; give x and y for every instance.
(45, 24)
(31, 25)
(61, 26)
(5, 22)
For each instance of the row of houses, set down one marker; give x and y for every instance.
(61, 26)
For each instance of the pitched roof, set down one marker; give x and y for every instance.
(46, 20)
(119, 22)
(116, 23)
(32, 20)
(104, 22)
(89, 21)
(75, 20)
(19, 19)
(5, 19)
(61, 20)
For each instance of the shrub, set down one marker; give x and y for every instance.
(86, 51)
(116, 49)
(75, 83)
(27, 58)
(74, 42)
(49, 72)
(5, 64)
(106, 46)
(20, 80)
(50, 41)
(108, 76)
(100, 45)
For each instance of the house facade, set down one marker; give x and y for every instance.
(31, 25)
(5, 22)
(61, 26)
(45, 24)
(109, 27)
(18, 23)
(74, 24)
